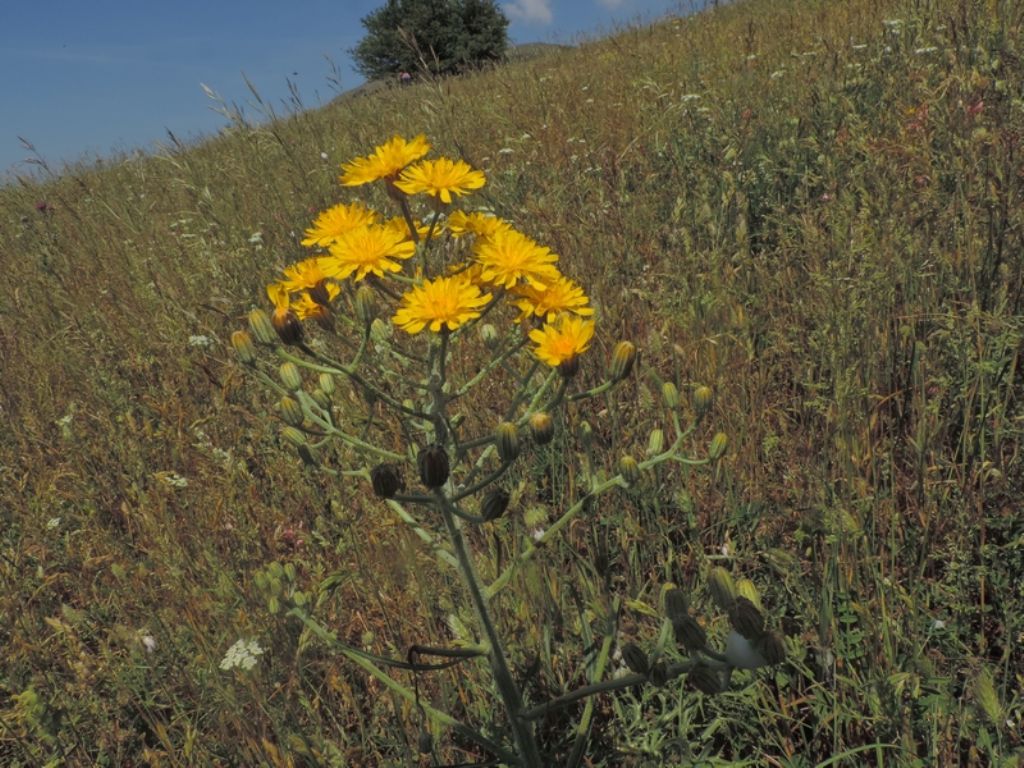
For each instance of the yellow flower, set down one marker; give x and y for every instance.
(284, 319)
(386, 162)
(336, 221)
(399, 225)
(366, 250)
(509, 256)
(308, 277)
(306, 307)
(446, 302)
(561, 295)
(560, 342)
(476, 223)
(440, 178)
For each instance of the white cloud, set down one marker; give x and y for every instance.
(531, 11)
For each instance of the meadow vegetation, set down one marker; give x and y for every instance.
(813, 208)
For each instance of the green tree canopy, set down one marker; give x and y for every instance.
(449, 35)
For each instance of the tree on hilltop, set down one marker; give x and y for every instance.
(450, 36)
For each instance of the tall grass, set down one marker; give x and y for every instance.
(815, 208)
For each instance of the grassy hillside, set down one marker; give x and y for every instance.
(815, 208)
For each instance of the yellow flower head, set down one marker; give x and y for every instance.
(561, 295)
(336, 221)
(386, 162)
(308, 277)
(560, 342)
(445, 302)
(399, 225)
(476, 223)
(440, 178)
(366, 250)
(509, 256)
(307, 307)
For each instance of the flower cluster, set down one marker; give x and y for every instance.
(484, 259)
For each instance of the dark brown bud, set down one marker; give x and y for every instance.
(677, 605)
(746, 619)
(494, 504)
(386, 480)
(506, 439)
(771, 647)
(426, 743)
(704, 679)
(287, 325)
(690, 634)
(542, 427)
(659, 673)
(433, 464)
(635, 659)
(569, 368)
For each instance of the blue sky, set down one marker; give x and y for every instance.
(85, 78)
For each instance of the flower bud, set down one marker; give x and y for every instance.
(621, 363)
(690, 634)
(365, 304)
(287, 325)
(771, 646)
(586, 435)
(425, 743)
(702, 400)
(718, 445)
(635, 659)
(321, 399)
(433, 465)
(261, 327)
(506, 439)
(294, 436)
(243, 346)
(722, 587)
(542, 428)
(327, 383)
(629, 470)
(494, 504)
(745, 588)
(489, 336)
(670, 392)
(746, 619)
(655, 442)
(659, 673)
(290, 376)
(704, 679)
(386, 480)
(380, 331)
(677, 605)
(291, 411)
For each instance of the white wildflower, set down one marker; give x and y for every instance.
(256, 238)
(925, 51)
(149, 643)
(242, 655)
(53, 523)
(200, 341)
(172, 479)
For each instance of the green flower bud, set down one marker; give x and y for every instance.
(771, 647)
(489, 336)
(690, 634)
(987, 697)
(365, 305)
(629, 470)
(294, 436)
(386, 480)
(291, 411)
(327, 383)
(746, 619)
(494, 504)
(586, 435)
(704, 679)
(506, 439)
(289, 571)
(718, 445)
(320, 398)
(722, 587)
(380, 331)
(290, 376)
(745, 588)
(670, 392)
(635, 659)
(677, 605)
(243, 346)
(261, 327)
(655, 442)
(433, 466)
(703, 397)
(621, 363)
(542, 428)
